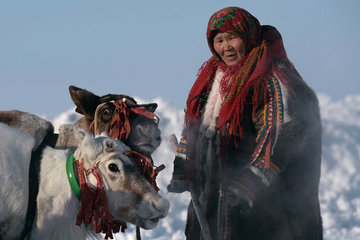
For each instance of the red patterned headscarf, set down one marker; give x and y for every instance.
(263, 46)
(237, 20)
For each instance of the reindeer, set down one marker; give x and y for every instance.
(120, 115)
(106, 175)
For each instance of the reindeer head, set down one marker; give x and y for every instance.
(130, 196)
(103, 114)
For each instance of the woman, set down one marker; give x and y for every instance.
(251, 146)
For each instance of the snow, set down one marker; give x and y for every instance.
(339, 185)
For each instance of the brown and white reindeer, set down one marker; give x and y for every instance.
(119, 115)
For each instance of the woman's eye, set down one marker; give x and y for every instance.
(113, 167)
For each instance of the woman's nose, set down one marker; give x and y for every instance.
(227, 45)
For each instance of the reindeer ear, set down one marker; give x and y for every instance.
(80, 134)
(112, 144)
(85, 101)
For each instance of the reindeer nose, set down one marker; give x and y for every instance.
(152, 131)
(157, 134)
(162, 205)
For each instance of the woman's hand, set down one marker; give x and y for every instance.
(179, 182)
(242, 191)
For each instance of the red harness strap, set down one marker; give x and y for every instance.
(147, 167)
(146, 113)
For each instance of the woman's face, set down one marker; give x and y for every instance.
(230, 47)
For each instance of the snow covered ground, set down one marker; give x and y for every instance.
(339, 187)
(340, 178)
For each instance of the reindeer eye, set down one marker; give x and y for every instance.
(106, 114)
(113, 167)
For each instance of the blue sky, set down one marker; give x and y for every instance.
(154, 48)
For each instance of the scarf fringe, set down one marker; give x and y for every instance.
(252, 83)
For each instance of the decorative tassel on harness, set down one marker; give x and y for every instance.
(93, 205)
(120, 126)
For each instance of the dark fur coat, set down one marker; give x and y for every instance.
(281, 206)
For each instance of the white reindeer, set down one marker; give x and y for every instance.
(130, 197)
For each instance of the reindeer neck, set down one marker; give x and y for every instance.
(57, 205)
